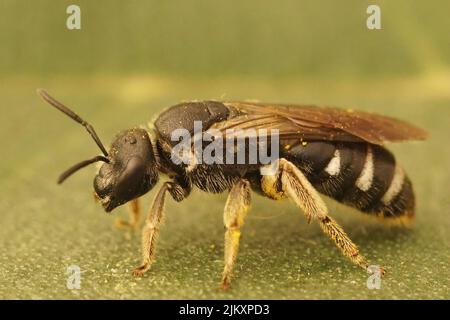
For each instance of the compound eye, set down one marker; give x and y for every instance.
(129, 181)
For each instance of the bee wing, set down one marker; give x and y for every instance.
(320, 123)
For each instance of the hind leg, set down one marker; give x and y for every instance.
(297, 187)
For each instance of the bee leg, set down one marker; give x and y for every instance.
(151, 229)
(236, 207)
(298, 188)
(153, 222)
(134, 211)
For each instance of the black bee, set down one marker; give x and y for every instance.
(336, 152)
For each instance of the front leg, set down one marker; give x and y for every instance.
(134, 210)
(236, 208)
(153, 222)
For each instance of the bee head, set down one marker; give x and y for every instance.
(130, 166)
(130, 172)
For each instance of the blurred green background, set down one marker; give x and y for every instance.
(131, 59)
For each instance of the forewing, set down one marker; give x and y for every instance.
(320, 123)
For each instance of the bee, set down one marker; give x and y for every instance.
(339, 153)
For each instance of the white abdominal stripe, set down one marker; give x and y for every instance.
(395, 187)
(365, 179)
(334, 166)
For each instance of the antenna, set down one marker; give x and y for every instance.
(79, 166)
(58, 105)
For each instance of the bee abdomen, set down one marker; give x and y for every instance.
(382, 187)
(361, 175)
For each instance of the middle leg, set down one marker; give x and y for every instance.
(236, 208)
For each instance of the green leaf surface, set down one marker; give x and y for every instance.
(45, 227)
